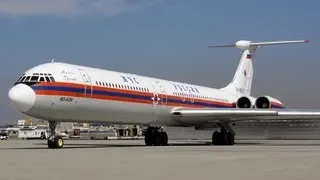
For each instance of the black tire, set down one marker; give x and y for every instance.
(216, 138)
(58, 141)
(155, 138)
(50, 143)
(55, 142)
(163, 137)
(230, 139)
(148, 138)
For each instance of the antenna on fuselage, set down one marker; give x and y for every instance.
(52, 61)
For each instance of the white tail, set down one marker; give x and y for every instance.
(242, 80)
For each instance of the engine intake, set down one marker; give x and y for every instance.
(263, 103)
(267, 102)
(244, 102)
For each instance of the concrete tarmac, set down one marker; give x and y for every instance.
(130, 159)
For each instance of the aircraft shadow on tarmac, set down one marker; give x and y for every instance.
(105, 145)
(43, 145)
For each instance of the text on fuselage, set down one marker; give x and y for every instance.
(128, 79)
(66, 99)
(184, 88)
(68, 75)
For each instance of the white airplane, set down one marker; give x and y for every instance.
(60, 92)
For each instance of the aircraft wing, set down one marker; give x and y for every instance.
(229, 115)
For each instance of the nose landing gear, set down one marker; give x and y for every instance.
(54, 142)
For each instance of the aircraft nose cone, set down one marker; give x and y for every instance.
(22, 97)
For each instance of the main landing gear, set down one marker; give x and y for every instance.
(224, 137)
(155, 136)
(54, 142)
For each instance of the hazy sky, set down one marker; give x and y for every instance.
(166, 39)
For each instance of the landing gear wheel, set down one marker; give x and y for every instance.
(148, 138)
(58, 142)
(55, 142)
(222, 138)
(154, 136)
(163, 137)
(230, 138)
(51, 142)
(216, 138)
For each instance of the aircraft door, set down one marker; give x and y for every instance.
(160, 96)
(87, 83)
(191, 96)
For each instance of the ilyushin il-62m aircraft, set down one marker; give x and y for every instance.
(62, 92)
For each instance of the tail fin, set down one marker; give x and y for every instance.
(242, 80)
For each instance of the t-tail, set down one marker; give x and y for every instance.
(242, 80)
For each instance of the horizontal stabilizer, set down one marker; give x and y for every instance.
(246, 45)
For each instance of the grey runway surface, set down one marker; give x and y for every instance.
(125, 159)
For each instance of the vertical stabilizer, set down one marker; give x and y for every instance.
(242, 79)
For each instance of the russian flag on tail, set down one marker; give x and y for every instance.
(249, 56)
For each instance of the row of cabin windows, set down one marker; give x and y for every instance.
(112, 85)
(200, 97)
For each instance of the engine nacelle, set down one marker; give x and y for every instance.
(267, 102)
(243, 102)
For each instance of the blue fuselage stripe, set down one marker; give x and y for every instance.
(128, 95)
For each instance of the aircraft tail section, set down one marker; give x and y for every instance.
(242, 80)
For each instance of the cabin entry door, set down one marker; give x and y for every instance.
(159, 97)
(87, 83)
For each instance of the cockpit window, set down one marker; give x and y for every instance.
(35, 78)
(19, 78)
(47, 79)
(23, 78)
(52, 79)
(27, 78)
